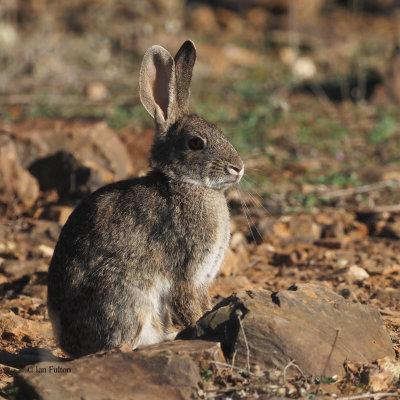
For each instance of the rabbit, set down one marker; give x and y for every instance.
(138, 256)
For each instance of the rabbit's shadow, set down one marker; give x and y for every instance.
(28, 356)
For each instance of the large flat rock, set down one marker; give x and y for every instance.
(163, 371)
(309, 324)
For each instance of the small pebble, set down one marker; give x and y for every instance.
(356, 273)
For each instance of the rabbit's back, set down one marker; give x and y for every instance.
(101, 230)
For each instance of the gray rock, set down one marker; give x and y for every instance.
(163, 371)
(89, 151)
(309, 324)
(204, 353)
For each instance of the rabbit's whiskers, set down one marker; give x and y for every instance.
(250, 180)
(254, 169)
(260, 199)
(247, 214)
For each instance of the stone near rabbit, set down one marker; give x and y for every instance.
(138, 256)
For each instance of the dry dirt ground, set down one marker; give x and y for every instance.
(355, 254)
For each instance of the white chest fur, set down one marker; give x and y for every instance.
(211, 262)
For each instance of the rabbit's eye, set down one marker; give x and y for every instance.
(196, 143)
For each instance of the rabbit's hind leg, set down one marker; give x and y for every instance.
(154, 316)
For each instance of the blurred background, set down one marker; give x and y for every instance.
(307, 90)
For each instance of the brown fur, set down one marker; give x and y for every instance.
(139, 254)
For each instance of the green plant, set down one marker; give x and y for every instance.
(325, 379)
(119, 118)
(337, 178)
(383, 130)
(13, 392)
(206, 374)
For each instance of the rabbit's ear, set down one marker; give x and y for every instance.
(157, 86)
(184, 62)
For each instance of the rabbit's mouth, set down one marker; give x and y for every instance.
(221, 181)
(224, 182)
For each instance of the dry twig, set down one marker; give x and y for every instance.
(329, 358)
(228, 390)
(330, 353)
(239, 314)
(388, 208)
(358, 190)
(232, 367)
(233, 359)
(292, 364)
(368, 396)
(390, 313)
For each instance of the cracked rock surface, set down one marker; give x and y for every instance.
(307, 323)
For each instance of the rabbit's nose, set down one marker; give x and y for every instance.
(235, 171)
